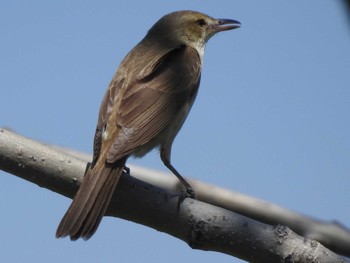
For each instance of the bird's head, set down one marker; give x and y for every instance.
(190, 27)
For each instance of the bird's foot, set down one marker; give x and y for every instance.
(188, 193)
(126, 169)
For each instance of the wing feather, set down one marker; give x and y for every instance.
(148, 105)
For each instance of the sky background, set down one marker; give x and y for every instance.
(271, 119)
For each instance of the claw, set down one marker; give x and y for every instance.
(189, 193)
(126, 169)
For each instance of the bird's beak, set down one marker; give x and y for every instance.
(225, 24)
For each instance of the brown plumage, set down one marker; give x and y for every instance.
(144, 107)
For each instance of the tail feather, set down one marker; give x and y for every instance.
(91, 201)
(99, 207)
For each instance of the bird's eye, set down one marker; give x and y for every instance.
(201, 22)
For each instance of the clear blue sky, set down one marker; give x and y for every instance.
(271, 119)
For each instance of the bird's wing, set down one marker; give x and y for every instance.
(153, 61)
(149, 104)
(104, 114)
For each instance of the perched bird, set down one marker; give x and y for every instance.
(144, 107)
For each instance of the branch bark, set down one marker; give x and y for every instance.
(332, 234)
(201, 225)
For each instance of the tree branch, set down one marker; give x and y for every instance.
(201, 225)
(333, 235)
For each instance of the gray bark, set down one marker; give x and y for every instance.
(201, 225)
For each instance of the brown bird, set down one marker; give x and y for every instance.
(144, 107)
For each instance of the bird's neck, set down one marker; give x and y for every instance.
(200, 47)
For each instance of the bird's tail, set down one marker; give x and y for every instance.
(91, 201)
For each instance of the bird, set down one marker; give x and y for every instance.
(144, 107)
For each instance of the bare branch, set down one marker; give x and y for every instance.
(201, 225)
(331, 234)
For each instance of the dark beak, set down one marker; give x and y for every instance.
(226, 24)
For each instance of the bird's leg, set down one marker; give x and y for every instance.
(189, 190)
